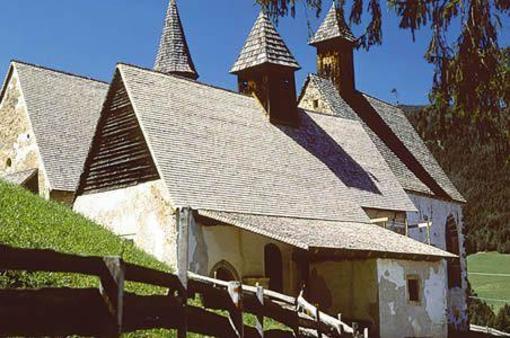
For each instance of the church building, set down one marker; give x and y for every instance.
(328, 191)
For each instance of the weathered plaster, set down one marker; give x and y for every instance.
(18, 147)
(401, 318)
(242, 249)
(312, 95)
(143, 212)
(437, 212)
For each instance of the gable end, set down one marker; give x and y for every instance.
(119, 156)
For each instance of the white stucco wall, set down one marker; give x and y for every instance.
(437, 211)
(143, 210)
(400, 318)
(242, 249)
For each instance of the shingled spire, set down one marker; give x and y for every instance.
(335, 45)
(265, 68)
(174, 56)
(264, 45)
(333, 27)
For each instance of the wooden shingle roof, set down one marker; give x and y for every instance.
(264, 46)
(333, 27)
(63, 110)
(319, 234)
(174, 56)
(216, 150)
(398, 125)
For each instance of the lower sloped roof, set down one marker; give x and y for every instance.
(19, 177)
(309, 234)
(394, 119)
(216, 149)
(63, 110)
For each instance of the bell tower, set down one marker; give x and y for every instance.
(335, 44)
(265, 68)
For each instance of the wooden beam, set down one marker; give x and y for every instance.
(184, 219)
(260, 315)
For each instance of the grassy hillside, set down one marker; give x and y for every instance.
(489, 275)
(28, 221)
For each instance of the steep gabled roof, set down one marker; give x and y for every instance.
(63, 110)
(174, 56)
(333, 27)
(398, 126)
(216, 150)
(317, 234)
(264, 46)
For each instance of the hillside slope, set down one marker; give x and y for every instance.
(28, 221)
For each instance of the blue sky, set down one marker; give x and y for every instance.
(89, 37)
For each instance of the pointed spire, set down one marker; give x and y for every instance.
(333, 27)
(174, 56)
(264, 45)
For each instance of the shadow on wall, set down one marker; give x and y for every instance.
(319, 291)
(320, 144)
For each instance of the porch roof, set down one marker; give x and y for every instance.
(310, 234)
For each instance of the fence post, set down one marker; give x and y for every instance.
(318, 319)
(236, 311)
(184, 219)
(355, 329)
(112, 290)
(260, 313)
(340, 327)
(365, 332)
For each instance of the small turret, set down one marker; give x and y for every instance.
(335, 45)
(265, 68)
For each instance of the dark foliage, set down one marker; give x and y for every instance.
(481, 172)
(469, 82)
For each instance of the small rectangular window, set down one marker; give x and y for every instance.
(315, 104)
(413, 289)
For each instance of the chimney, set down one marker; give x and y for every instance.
(265, 68)
(335, 46)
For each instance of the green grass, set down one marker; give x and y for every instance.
(491, 287)
(28, 221)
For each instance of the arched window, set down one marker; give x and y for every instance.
(452, 246)
(273, 265)
(225, 271)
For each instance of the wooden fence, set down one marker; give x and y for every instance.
(109, 311)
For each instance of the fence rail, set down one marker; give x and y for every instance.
(109, 311)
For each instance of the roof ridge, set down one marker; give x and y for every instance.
(280, 216)
(14, 61)
(180, 77)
